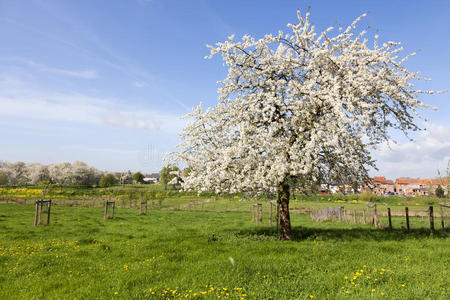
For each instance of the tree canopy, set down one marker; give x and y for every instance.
(167, 174)
(302, 105)
(107, 180)
(138, 177)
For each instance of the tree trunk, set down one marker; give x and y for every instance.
(285, 219)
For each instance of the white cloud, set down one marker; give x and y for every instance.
(20, 100)
(138, 84)
(419, 158)
(128, 120)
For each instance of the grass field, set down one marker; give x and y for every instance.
(194, 254)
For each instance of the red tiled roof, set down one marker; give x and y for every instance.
(401, 181)
(380, 179)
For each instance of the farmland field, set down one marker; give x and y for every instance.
(212, 254)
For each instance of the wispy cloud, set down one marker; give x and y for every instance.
(85, 74)
(128, 120)
(22, 101)
(88, 74)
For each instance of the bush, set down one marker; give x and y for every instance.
(439, 192)
(138, 177)
(107, 180)
(367, 196)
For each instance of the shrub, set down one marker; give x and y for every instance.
(138, 177)
(107, 180)
(367, 196)
(439, 192)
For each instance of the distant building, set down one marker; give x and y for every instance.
(411, 186)
(379, 185)
(151, 178)
(418, 187)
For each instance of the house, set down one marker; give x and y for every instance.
(418, 187)
(151, 178)
(432, 185)
(380, 186)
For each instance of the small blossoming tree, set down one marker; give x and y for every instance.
(301, 105)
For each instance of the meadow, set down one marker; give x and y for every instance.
(213, 254)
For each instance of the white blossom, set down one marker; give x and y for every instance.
(301, 104)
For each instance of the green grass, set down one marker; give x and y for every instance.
(173, 253)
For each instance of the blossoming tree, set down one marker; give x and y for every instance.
(301, 105)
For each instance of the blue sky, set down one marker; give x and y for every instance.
(106, 82)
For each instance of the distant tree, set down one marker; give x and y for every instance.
(166, 174)
(445, 180)
(138, 177)
(45, 186)
(439, 192)
(19, 173)
(3, 178)
(37, 173)
(126, 178)
(83, 174)
(60, 174)
(107, 180)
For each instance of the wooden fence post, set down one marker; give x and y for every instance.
(407, 218)
(354, 216)
(431, 219)
(364, 216)
(105, 216)
(36, 212)
(442, 217)
(39, 213)
(48, 212)
(389, 217)
(270, 214)
(260, 212)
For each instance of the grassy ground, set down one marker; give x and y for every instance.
(173, 254)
